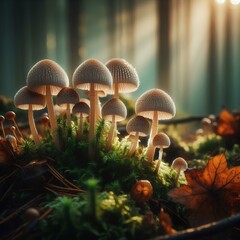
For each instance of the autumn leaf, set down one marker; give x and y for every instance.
(228, 124)
(212, 193)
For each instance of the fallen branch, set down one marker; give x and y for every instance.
(204, 230)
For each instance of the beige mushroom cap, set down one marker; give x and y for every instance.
(114, 107)
(161, 140)
(155, 100)
(179, 164)
(47, 73)
(124, 74)
(81, 107)
(24, 97)
(138, 124)
(67, 96)
(89, 72)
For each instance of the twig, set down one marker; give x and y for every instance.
(204, 230)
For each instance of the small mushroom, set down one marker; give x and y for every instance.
(207, 125)
(10, 115)
(115, 111)
(46, 77)
(92, 75)
(83, 109)
(141, 191)
(125, 77)
(66, 98)
(156, 105)
(179, 164)
(162, 141)
(2, 118)
(28, 100)
(137, 126)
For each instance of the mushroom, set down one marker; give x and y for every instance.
(66, 98)
(162, 141)
(137, 126)
(113, 110)
(141, 191)
(10, 115)
(125, 77)
(13, 130)
(83, 109)
(28, 100)
(92, 75)
(179, 164)
(2, 118)
(46, 77)
(156, 105)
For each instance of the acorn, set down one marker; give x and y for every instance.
(141, 191)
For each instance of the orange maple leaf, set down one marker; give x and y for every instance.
(228, 124)
(212, 193)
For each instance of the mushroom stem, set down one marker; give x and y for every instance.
(151, 148)
(52, 118)
(68, 113)
(97, 108)
(111, 133)
(15, 124)
(133, 145)
(116, 90)
(177, 176)
(80, 128)
(92, 95)
(33, 126)
(3, 131)
(159, 160)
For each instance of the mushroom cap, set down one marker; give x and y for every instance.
(138, 124)
(141, 191)
(90, 72)
(67, 96)
(179, 164)
(161, 140)
(81, 107)
(114, 107)
(47, 73)
(124, 74)
(24, 97)
(155, 100)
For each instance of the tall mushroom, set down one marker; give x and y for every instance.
(92, 75)
(66, 98)
(162, 141)
(138, 126)
(115, 111)
(156, 105)
(46, 77)
(28, 100)
(125, 77)
(83, 109)
(2, 118)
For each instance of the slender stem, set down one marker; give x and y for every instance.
(111, 133)
(50, 108)
(15, 124)
(116, 90)
(177, 177)
(3, 131)
(68, 112)
(151, 148)
(92, 114)
(159, 160)
(52, 117)
(80, 128)
(32, 126)
(98, 114)
(133, 145)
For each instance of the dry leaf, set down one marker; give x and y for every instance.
(212, 193)
(228, 124)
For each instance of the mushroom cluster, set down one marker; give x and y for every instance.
(46, 79)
